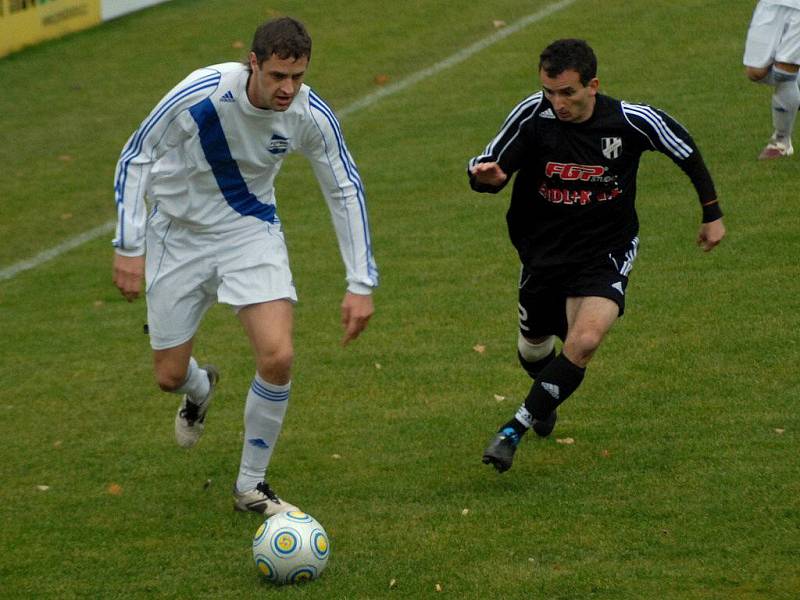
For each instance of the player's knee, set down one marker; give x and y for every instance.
(581, 346)
(170, 380)
(276, 366)
(756, 73)
(535, 351)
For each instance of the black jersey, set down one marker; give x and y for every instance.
(574, 192)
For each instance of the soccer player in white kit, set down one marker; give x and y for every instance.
(772, 57)
(204, 161)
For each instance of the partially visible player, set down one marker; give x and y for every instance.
(772, 57)
(205, 159)
(573, 221)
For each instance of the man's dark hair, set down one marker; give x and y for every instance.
(285, 37)
(566, 54)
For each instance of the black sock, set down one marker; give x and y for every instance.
(554, 385)
(533, 368)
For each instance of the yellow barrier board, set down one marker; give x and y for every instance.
(27, 22)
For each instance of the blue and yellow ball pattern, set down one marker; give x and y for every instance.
(291, 547)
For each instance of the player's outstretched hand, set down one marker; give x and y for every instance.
(128, 274)
(710, 235)
(489, 173)
(356, 311)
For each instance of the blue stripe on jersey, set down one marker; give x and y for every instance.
(352, 173)
(225, 169)
(262, 392)
(134, 147)
(668, 138)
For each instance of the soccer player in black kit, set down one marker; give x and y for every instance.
(573, 222)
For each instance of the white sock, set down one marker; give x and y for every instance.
(785, 102)
(196, 385)
(263, 418)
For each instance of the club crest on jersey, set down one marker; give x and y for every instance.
(611, 147)
(278, 144)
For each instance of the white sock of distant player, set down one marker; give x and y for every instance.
(196, 385)
(263, 418)
(785, 102)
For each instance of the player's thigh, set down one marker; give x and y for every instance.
(788, 50)
(542, 307)
(605, 277)
(763, 35)
(181, 284)
(254, 266)
(268, 326)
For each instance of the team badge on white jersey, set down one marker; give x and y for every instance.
(611, 147)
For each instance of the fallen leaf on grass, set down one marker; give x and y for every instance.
(207, 484)
(498, 23)
(378, 366)
(381, 79)
(98, 303)
(479, 348)
(499, 398)
(237, 44)
(438, 587)
(465, 512)
(393, 584)
(605, 453)
(66, 216)
(565, 441)
(57, 444)
(65, 158)
(42, 488)
(779, 431)
(336, 456)
(114, 489)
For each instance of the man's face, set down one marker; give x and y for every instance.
(275, 83)
(572, 101)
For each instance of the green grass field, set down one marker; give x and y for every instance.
(683, 481)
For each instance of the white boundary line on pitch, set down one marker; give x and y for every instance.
(366, 101)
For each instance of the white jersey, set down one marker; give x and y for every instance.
(789, 3)
(207, 158)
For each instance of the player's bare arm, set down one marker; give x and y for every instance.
(128, 274)
(711, 235)
(489, 173)
(356, 312)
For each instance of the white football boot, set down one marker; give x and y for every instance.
(776, 149)
(261, 500)
(190, 418)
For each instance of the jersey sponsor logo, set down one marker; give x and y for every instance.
(611, 147)
(227, 97)
(573, 172)
(547, 114)
(278, 144)
(576, 197)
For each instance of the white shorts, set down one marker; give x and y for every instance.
(774, 36)
(188, 270)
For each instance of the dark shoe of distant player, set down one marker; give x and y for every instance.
(500, 451)
(261, 500)
(190, 419)
(776, 149)
(544, 428)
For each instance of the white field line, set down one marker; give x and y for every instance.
(365, 102)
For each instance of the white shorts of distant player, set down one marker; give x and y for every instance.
(188, 270)
(774, 36)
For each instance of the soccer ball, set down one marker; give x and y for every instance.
(291, 547)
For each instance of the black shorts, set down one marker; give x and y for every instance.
(543, 293)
